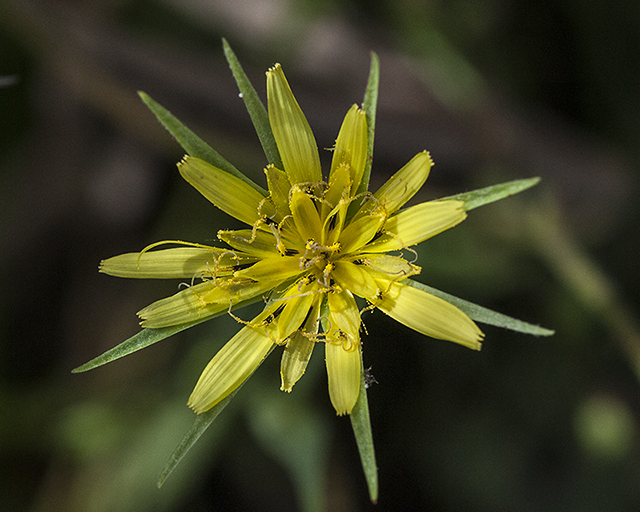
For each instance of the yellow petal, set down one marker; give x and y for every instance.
(356, 278)
(360, 231)
(230, 367)
(339, 186)
(180, 262)
(417, 223)
(298, 302)
(403, 185)
(343, 372)
(429, 315)
(276, 267)
(351, 145)
(230, 194)
(297, 353)
(291, 130)
(344, 316)
(184, 307)
(305, 215)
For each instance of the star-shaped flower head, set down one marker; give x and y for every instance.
(312, 245)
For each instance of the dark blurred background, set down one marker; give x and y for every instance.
(496, 90)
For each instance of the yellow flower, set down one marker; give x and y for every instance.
(311, 247)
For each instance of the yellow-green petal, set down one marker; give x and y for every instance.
(279, 186)
(260, 244)
(429, 315)
(236, 290)
(343, 372)
(230, 194)
(417, 223)
(184, 307)
(295, 140)
(230, 367)
(179, 262)
(297, 353)
(351, 146)
(393, 266)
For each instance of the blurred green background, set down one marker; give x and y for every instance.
(496, 90)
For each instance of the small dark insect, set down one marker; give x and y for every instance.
(369, 378)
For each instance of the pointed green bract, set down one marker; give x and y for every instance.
(256, 109)
(361, 424)
(483, 315)
(137, 342)
(369, 105)
(191, 143)
(493, 193)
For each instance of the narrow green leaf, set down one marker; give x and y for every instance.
(493, 193)
(361, 424)
(148, 337)
(483, 315)
(201, 423)
(138, 341)
(369, 105)
(255, 107)
(191, 143)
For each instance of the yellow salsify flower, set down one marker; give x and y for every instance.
(311, 247)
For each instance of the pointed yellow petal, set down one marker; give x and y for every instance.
(299, 301)
(297, 353)
(351, 145)
(305, 215)
(360, 231)
(356, 278)
(275, 268)
(279, 187)
(417, 223)
(429, 315)
(184, 307)
(403, 185)
(230, 367)
(393, 266)
(173, 263)
(230, 194)
(291, 130)
(343, 372)
(344, 316)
